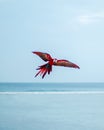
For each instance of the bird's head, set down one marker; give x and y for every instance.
(55, 60)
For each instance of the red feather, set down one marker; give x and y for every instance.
(43, 56)
(44, 69)
(66, 63)
(47, 68)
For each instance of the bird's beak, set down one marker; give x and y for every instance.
(33, 52)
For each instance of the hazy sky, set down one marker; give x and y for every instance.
(67, 29)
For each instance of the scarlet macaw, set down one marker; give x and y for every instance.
(47, 68)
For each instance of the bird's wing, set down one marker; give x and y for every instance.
(66, 63)
(43, 56)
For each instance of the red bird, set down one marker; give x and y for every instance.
(47, 68)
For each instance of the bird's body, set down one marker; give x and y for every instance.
(47, 68)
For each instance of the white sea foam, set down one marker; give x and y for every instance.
(60, 93)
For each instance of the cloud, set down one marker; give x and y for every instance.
(90, 18)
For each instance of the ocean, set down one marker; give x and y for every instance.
(51, 106)
(51, 87)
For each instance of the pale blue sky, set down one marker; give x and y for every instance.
(67, 29)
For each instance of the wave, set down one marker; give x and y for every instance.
(78, 92)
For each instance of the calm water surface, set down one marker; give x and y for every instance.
(50, 87)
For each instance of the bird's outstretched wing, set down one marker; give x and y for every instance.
(43, 56)
(66, 63)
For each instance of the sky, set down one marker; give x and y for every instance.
(66, 29)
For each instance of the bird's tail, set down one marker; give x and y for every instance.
(44, 69)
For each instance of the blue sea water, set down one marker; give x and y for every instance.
(82, 110)
(50, 87)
